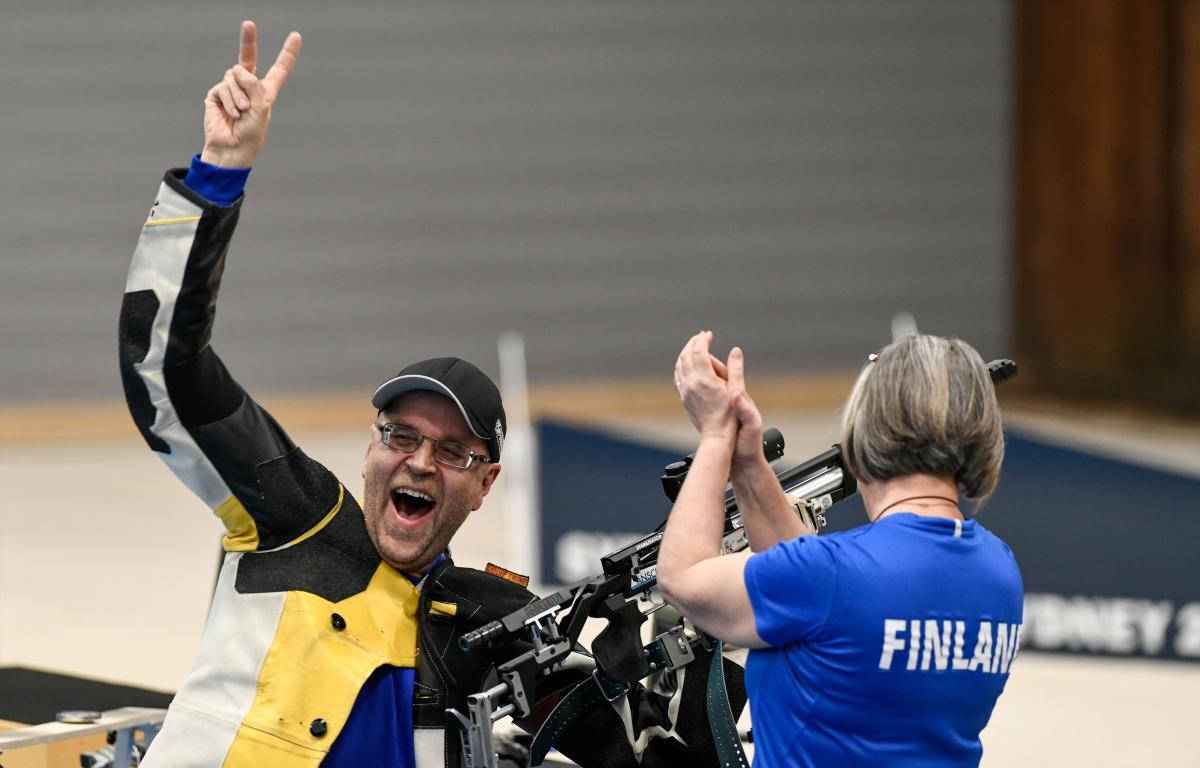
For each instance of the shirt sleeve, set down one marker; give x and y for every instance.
(791, 588)
(216, 184)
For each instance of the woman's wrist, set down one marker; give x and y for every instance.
(748, 460)
(718, 437)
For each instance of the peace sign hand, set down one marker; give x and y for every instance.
(237, 110)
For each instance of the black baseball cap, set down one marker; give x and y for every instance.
(471, 390)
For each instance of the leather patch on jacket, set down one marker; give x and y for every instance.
(507, 575)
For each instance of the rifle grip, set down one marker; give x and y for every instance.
(618, 647)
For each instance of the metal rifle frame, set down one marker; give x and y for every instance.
(629, 578)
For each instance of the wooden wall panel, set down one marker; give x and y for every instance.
(1105, 288)
(1188, 169)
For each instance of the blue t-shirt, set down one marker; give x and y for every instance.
(890, 643)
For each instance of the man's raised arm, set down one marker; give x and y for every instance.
(184, 402)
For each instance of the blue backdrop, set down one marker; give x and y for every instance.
(1108, 549)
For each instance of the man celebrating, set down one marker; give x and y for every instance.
(331, 637)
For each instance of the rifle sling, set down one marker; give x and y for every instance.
(582, 699)
(720, 716)
(591, 693)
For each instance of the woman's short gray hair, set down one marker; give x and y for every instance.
(925, 405)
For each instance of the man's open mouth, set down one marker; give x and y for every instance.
(411, 504)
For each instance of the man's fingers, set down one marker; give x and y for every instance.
(221, 95)
(248, 49)
(250, 88)
(237, 91)
(284, 64)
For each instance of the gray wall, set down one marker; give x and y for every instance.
(604, 177)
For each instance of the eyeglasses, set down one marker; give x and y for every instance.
(445, 452)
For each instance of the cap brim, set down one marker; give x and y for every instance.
(393, 388)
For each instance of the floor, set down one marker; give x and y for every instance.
(107, 563)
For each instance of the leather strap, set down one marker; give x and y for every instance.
(720, 717)
(582, 699)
